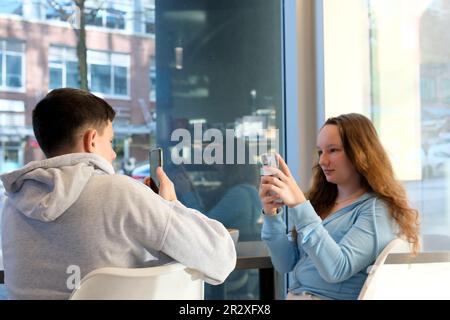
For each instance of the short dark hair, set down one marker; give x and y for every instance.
(63, 113)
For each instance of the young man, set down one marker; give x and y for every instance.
(71, 212)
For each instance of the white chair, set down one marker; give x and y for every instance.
(173, 281)
(395, 246)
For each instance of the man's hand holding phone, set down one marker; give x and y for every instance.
(158, 181)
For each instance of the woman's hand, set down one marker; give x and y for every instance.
(280, 186)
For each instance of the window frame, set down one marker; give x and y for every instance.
(3, 75)
(90, 62)
(109, 63)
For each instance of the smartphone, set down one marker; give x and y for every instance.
(156, 160)
(267, 161)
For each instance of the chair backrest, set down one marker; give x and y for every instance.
(173, 281)
(396, 245)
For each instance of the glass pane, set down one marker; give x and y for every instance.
(152, 79)
(1, 68)
(397, 70)
(12, 7)
(120, 81)
(59, 10)
(149, 16)
(72, 75)
(100, 78)
(206, 88)
(93, 16)
(55, 78)
(418, 64)
(115, 19)
(13, 71)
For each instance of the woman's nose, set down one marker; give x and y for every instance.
(323, 160)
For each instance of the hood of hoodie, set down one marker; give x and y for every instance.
(43, 190)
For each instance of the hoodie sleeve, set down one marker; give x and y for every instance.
(184, 234)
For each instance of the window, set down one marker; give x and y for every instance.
(393, 57)
(63, 68)
(12, 113)
(12, 120)
(14, 7)
(11, 65)
(149, 20)
(152, 79)
(445, 89)
(109, 18)
(428, 89)
(231, 86)
(108, 72)
(61, 10)
(38, 53)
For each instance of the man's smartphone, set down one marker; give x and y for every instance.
(156, 160)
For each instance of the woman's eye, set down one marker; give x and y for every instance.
(319, 153)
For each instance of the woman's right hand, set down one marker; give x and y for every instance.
(280, 186)
(270, 202)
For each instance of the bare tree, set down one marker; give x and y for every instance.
(75, 12)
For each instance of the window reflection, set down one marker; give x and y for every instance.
(219, 81)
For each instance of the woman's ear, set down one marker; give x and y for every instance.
(89, 140)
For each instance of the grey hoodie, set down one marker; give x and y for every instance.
(73, 210)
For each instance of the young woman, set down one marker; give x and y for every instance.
(353, 209)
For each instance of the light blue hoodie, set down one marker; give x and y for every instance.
(73, 210)
(331, 256)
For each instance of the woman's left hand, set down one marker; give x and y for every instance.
(283, 185)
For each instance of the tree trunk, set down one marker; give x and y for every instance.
(81, 46)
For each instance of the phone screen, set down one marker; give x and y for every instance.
(266, 162)
(156, 160)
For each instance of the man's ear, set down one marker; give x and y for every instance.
(89, 140)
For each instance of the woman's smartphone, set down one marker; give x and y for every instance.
(156, 160)
(266, 162)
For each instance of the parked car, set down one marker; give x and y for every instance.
(438, 159)
(141, 172)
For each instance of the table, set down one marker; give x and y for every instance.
(421, 257)
(254, 255)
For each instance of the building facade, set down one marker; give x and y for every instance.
(38, 42)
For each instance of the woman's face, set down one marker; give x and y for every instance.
(333, 160)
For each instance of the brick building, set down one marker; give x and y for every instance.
(38, 53)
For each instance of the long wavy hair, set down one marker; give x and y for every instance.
(363, 148)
